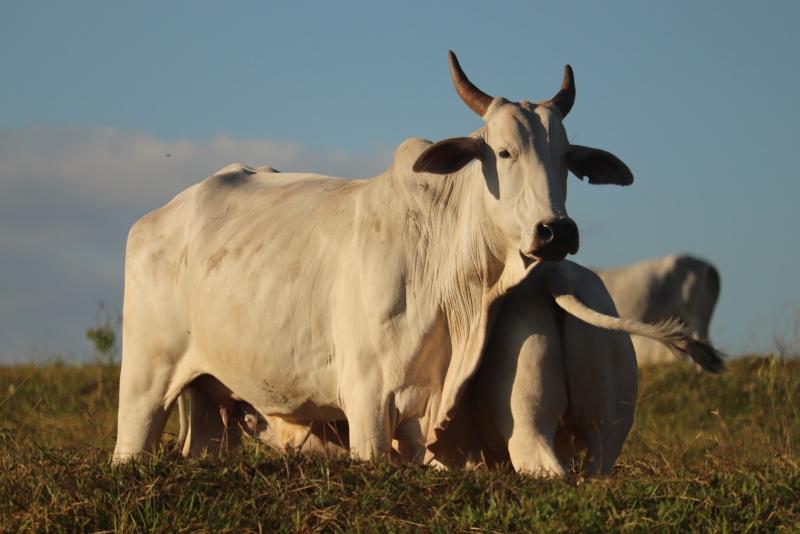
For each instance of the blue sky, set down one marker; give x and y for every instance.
(698, 98)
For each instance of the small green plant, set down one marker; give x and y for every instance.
(103, 336)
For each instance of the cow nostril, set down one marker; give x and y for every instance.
(545, 232)
(554, 239)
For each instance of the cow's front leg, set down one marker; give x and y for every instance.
(370, 426)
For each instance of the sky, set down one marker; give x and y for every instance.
(108, 109)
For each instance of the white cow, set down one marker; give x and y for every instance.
(677, 286)
(321, 299)
(557, 380)
(551, 385)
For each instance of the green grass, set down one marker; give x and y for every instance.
(707, 453)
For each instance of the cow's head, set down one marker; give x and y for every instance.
(525, 156)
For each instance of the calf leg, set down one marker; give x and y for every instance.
(411, 441)
(521, 388)
(213, 426)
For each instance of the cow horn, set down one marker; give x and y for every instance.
(566, 95)
(477, 100)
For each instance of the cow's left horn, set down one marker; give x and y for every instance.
(566, 95)
(477, 100)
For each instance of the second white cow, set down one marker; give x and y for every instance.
(678, 286)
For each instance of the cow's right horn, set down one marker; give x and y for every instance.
(477, 100)
(566, 95)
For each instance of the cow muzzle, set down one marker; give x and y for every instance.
(553, 240)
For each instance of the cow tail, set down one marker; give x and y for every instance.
(670, 332)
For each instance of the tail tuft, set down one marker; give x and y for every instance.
(680, 341)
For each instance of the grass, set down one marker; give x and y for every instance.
(707, 453)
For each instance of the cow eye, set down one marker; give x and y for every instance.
(504, 153)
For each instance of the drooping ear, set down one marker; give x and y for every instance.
(448, 156)
(599, 166)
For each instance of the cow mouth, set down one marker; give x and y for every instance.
(529, 258)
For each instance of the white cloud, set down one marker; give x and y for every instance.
(110, 165)
(68, 197)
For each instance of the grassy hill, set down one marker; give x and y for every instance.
(706, 453)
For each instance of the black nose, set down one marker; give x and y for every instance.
(554, 239)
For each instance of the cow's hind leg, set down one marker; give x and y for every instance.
(146, 394)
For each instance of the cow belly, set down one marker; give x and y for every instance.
(295, 387)
(280, 366)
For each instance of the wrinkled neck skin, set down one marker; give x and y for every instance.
(460, 257)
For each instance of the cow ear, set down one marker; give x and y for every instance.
(599, 166)
(448, 156)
